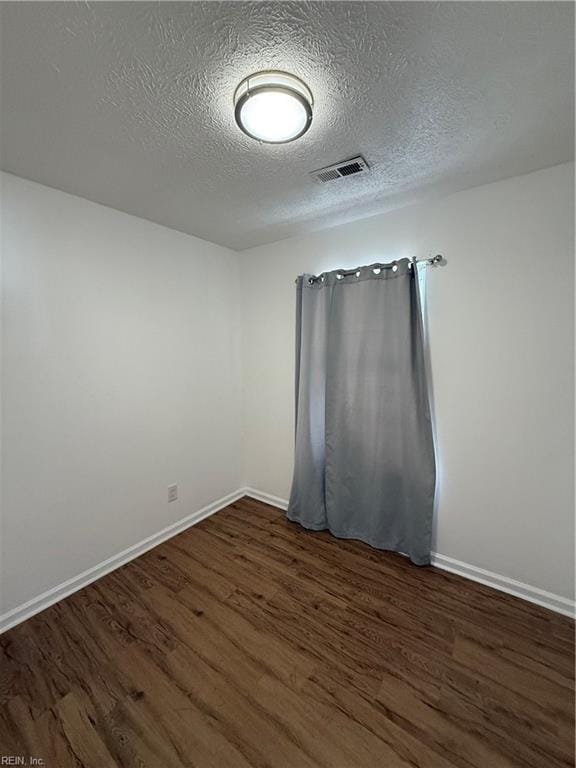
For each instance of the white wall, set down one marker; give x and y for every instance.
(121, 375)
(501, 333)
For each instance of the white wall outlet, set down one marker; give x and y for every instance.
(172, 493)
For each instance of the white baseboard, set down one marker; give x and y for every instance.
(46, 599)
(489, 578)
(506, 584)
(267, 498)
(51, 596)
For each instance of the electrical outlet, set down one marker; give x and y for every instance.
(172, 493)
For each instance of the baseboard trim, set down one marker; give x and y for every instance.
(46, 599)
(549, 600)
(501, 583)
(540, 597)
(267, 498)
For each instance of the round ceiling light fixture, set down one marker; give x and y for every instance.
(273, 107)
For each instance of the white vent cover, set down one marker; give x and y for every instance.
(341, 170)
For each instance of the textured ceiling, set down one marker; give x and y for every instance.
(129, 104)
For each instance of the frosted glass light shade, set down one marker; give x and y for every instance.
(273, 107)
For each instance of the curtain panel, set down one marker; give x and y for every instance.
(364, 457)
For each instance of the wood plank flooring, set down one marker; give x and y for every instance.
(247, 642)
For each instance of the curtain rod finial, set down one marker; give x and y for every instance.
(435, 261)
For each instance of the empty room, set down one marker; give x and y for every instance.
(287, 384)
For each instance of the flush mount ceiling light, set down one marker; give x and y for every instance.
(273, 107)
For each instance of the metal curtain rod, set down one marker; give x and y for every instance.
(432, 262)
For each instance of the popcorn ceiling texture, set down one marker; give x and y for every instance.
(130, 105)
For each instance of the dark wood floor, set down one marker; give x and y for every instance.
(247, 641)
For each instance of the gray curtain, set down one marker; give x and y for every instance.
(364, 461)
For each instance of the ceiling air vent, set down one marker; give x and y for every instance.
(339, 171)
